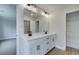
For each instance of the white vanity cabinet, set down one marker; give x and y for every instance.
(38, 46)
(42, 45)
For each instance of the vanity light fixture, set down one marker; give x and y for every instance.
(35, 8)
(45, 14)
(31, 7)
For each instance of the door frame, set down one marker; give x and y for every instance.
(66, 23)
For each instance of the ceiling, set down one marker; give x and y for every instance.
(50, 7)
(53, 7)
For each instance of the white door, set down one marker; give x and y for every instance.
(72, 30)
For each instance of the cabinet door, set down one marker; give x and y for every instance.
(51, 41)
(36, 47)
(32, 49)
(46, 44)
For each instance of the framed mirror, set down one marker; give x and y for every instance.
(34, 22)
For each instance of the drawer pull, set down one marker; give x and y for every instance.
(38, 47)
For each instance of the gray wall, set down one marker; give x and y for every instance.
(7, 21)
(7, 29)
(8, 47)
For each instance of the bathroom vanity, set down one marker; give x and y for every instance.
(41, 40)
(38, 44)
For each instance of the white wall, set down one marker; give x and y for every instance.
(58, 24)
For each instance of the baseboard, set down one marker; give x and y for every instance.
(73, 46)
(60, 48)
